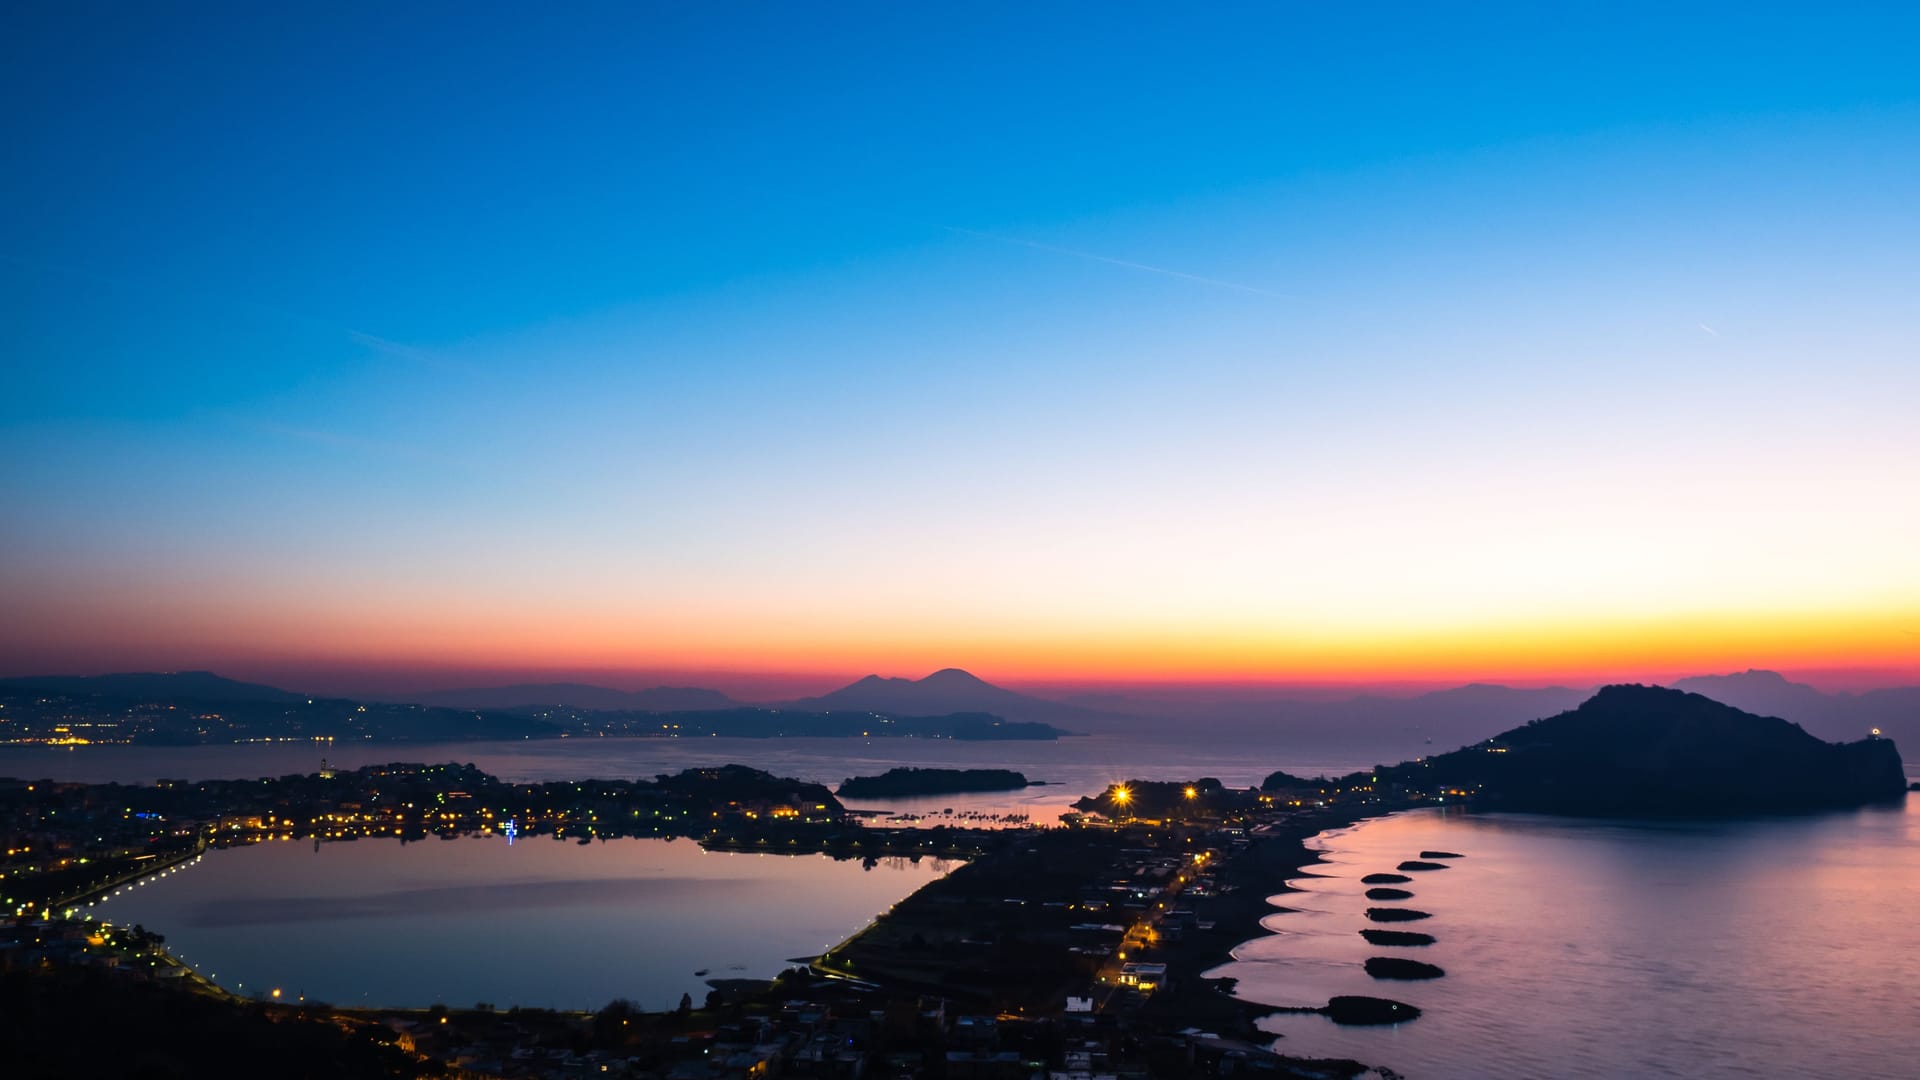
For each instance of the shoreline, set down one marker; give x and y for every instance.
(1259, 877)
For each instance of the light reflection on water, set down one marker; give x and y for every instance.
(1776, 947)
(539, 922)
(1072, 766)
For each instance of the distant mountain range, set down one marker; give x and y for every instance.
(523, 696)
(1462, 713)
(1841, 716)
(1391, 726)
(199, 707)
(156, 686)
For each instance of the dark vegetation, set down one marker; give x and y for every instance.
(1155, 799)
(80, 1023)
(904, 782)
(1353, 1009)
(1650, 751)
(1396, 914)
(1396, 937)
(1394, 967)
(1280, 780)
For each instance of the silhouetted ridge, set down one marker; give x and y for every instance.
(1636, 750)
(949, 690)
(153, 686)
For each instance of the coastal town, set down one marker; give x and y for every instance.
(1077, 950)
(1069, 951)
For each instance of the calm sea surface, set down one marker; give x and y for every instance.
(1786, 947)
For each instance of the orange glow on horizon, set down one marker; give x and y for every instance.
(1528, 652)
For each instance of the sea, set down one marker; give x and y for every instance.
(1774, 946)
(1769, 947)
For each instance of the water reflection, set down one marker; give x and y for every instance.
(1601, 949)
(541, 922)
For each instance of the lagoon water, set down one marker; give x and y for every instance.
(539, 922)
(1765, 947)
(555, 923)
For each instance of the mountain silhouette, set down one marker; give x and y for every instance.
(155, 686)
(949, 690)
(1647, 750)
(1840, 716)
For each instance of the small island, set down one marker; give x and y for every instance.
(1394, 967)
(1389, 894)
(1396, 914)
(907, 782)
(1385, 879)
(1416, 864)
(1353, 1009)
(1396, 937)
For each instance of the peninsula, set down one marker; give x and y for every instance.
(1648, 751)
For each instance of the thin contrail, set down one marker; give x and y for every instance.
(1708, 329)
(1111, 261)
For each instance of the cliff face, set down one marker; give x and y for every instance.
(1637, 750)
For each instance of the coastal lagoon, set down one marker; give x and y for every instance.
(1576, 948)
(538, 922)
(1599, 948)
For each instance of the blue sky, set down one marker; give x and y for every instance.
(958, 329)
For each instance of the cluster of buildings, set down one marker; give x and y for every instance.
(818, 1029)
(1037, 961)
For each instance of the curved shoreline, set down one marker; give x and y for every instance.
(1259, 878)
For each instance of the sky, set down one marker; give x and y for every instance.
(1071, 344)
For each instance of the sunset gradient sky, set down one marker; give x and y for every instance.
(1088, 344)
